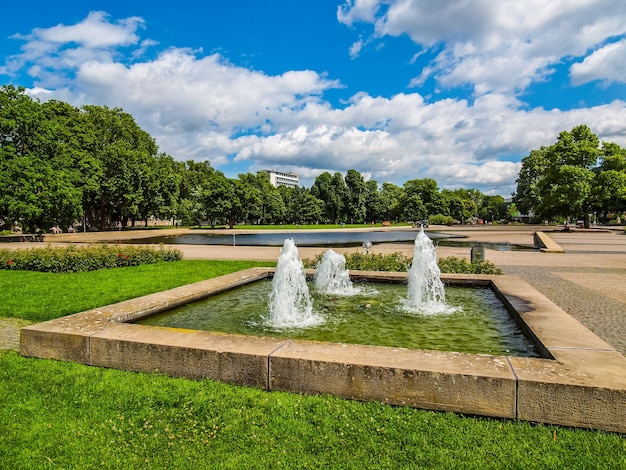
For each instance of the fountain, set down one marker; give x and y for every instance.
(290, 305)
(535, 388)
(425, 293)
(376, 313)
(332, 277)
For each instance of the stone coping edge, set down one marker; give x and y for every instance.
(546, 244)
(581, 382)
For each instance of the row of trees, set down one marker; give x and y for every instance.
(573, 178)
(60, 164)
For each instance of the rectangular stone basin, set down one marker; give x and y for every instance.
(581, 381)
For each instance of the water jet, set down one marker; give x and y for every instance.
(290, 304)
(425, 293)
(332, 277)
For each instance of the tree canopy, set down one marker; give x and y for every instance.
(573, 178)
(95, 166)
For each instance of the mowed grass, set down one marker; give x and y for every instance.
(64, 415)
(38, 296)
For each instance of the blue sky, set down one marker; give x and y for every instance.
(454, 90)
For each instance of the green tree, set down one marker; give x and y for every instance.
(493, 208)
(558, 180)
(427, 191)
(302, 206)
(528, 196)
(463, 204)
(161, 191)
(421, 199)
(355, 208)
(474, 197)
(414, 209)
(374, 204)
(219, 197)
(74, 136)
(609, 192)
(245, 201)
(271, 207)
(191, 207)
(391, 197)
(123, 150)
(331, 191)
(37, 176)
(340, 198)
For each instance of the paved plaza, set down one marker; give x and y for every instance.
(588, 280)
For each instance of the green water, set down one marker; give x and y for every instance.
(481, 324)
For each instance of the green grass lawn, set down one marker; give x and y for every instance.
(43, 296)
(65, 415)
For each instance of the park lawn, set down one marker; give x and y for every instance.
(66, 415)
(39, 296)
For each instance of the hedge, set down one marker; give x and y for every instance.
(80, 259)
(399, 262)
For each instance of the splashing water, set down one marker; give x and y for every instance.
(332, 277)
(290, 305)
(425, 293)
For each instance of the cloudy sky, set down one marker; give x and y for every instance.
(455, 90)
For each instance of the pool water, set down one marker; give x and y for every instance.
(480, 325)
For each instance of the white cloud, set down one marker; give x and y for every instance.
(607, 64)
(93, 32)
(188, 93)
(404, 137)
(205, 107)
(357, 10)
(490, 174)
(501, 46)
(62, 48)
(355, 49)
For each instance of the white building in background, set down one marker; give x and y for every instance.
(282, 178)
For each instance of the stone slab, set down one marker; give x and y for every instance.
(581, 388)
(546, 244)
(435, 380)
(193, 354)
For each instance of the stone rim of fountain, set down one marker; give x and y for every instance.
(581, 381)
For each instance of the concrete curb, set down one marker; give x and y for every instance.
(546, 244)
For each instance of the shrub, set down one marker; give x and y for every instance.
(439, 219)
(400, 263)
(452, 264)
(378, 262)
(81, 259)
